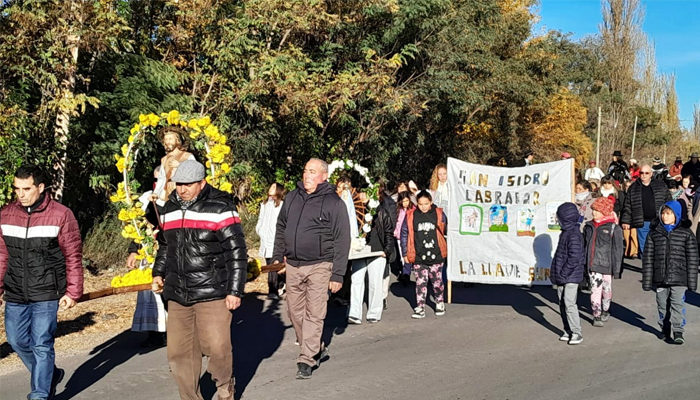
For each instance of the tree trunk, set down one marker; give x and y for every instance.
(65, 110)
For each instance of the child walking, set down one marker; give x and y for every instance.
(670, 266)
(403, 204)
(604, 251)
(424, 245)
(567, 271)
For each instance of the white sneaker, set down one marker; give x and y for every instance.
(440, 309)
(418, 313)
(565, 337)
(576, 338)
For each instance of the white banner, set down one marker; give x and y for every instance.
(502, 225)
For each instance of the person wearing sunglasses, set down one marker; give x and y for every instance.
(645, 197)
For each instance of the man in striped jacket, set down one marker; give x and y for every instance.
(40, 270)
(201, 270)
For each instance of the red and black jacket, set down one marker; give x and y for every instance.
(202, 253)
(40, 252)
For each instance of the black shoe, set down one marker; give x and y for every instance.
(404, 279)
(678, 338)
(273, 296)
(385, 305)
(155, 339)
(304, 371)
(58, 375)
(321, 356)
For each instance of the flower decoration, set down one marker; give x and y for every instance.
(132, 278)
(372, 191)
(254, 269)
(205, 138)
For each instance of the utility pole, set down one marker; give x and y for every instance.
(634, 136)
(597, 147)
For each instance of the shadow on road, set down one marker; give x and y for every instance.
(106, 357)
(256, 333)
(64, 328)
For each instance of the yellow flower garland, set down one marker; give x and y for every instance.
(205, 137)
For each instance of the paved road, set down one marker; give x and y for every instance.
(495, 342)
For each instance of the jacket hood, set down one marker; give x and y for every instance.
(568, 216)
(322, 188)
(676, 208)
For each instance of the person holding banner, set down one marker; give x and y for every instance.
(567, 271)
(423, 242)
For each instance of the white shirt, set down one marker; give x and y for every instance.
(266, 227)
(594, 173)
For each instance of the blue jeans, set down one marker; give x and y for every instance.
(642, 236)
(30, 331)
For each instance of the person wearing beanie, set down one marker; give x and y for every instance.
(669, 267)
(604, 255)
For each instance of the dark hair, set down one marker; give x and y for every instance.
(585, 184)
(424, 194)
(405, 183)
(607, 179)
(401, 198)
(34, 172)
(381, 190)
(674, 184)
(343, 177)
(280, 192)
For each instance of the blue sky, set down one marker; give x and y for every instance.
(674, 25)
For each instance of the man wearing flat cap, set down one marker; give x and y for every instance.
(692, 167)
(526, 160)
(201, 271)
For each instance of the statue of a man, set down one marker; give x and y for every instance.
(174, 141)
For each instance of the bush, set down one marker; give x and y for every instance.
(104, 246)
(248, 222)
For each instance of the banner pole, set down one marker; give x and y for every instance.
(449, 292)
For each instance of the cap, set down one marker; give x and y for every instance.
(592, 162)
(656, 159)
(617, 153)
(189, 171)
(633, 160)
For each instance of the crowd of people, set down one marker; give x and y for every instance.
(648, 211)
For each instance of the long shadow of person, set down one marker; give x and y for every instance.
(257, 332)
(106, 357)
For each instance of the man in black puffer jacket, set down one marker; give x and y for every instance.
(644, 199)
(201, 270)
(670, 265)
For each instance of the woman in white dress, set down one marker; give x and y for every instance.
(266, 228)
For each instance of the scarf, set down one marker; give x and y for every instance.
(581, 196)
(185, 204)
(604, 220)
(607, 193)
(675, 195)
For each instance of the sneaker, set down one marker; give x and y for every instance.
(576, 338)
(565, 337)
(598, 322)
(605, 316)
(372, 321)
(296, 343)
(304, 371)
(321, 356)
(58, 375)
(440, 309)
(231, 390)
(418, 313)
(678, 338)
(354, 321)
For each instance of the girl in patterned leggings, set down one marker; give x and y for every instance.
(423, 244)
(604, 251)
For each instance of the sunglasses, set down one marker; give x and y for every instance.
(645, 173)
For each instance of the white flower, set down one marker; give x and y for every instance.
(367, 180)
(349, 163)
(373, 203)
(368, 217)
(366, 228)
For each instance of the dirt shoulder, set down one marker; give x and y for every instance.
(88, 324)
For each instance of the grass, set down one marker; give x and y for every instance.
(104, 247)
